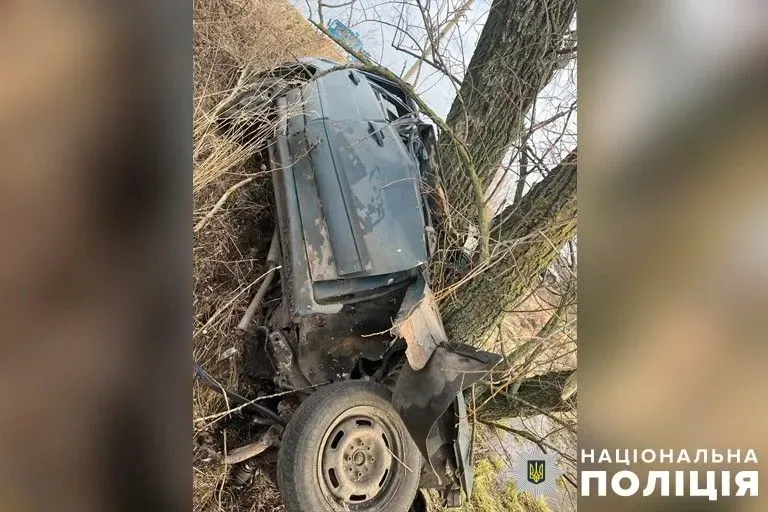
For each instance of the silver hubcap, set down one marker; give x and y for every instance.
(356, 459)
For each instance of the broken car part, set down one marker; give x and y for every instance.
(270, 438)
(432, 406)
(273, 259)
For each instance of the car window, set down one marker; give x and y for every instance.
(392, 110)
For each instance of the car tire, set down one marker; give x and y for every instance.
(346, 448)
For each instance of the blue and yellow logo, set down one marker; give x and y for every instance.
(536, 471)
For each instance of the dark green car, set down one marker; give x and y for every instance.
(356, 327)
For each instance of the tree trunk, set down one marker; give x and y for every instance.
(537, 395)
(515, 57)
(534, 230)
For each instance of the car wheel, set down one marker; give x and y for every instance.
(346, 448)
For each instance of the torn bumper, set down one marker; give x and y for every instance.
(432, 407)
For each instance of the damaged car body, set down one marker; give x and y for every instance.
(356, 328)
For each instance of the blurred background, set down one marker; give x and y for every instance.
(673, 200)
(95, 157)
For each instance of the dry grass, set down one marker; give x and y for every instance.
(229, 250)
(490, 493)
(228, 35)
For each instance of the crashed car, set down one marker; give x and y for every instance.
(356, 328)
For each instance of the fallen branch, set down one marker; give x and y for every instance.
(542, 444)
(522, 433)
(208, 216)
(245, 72)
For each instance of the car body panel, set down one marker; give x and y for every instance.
(359, 196)
(428, 401)
(418, 322)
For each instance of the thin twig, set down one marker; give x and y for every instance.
(398, 459)
(208, 216)
(229, 411)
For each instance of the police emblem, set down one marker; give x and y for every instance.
(536, 472)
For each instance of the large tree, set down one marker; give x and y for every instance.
(516, 56)
(530, 235)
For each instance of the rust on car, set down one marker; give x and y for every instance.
(419, 324)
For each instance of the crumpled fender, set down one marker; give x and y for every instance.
(418, 322)
(422, 396)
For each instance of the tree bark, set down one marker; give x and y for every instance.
(537, 395)
(535, 230)
(515, 57)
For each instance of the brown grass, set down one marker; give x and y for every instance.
(229, 250)
(228, 35)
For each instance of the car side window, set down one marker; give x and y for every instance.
(392, 111)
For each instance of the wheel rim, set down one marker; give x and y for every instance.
(357, 461)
